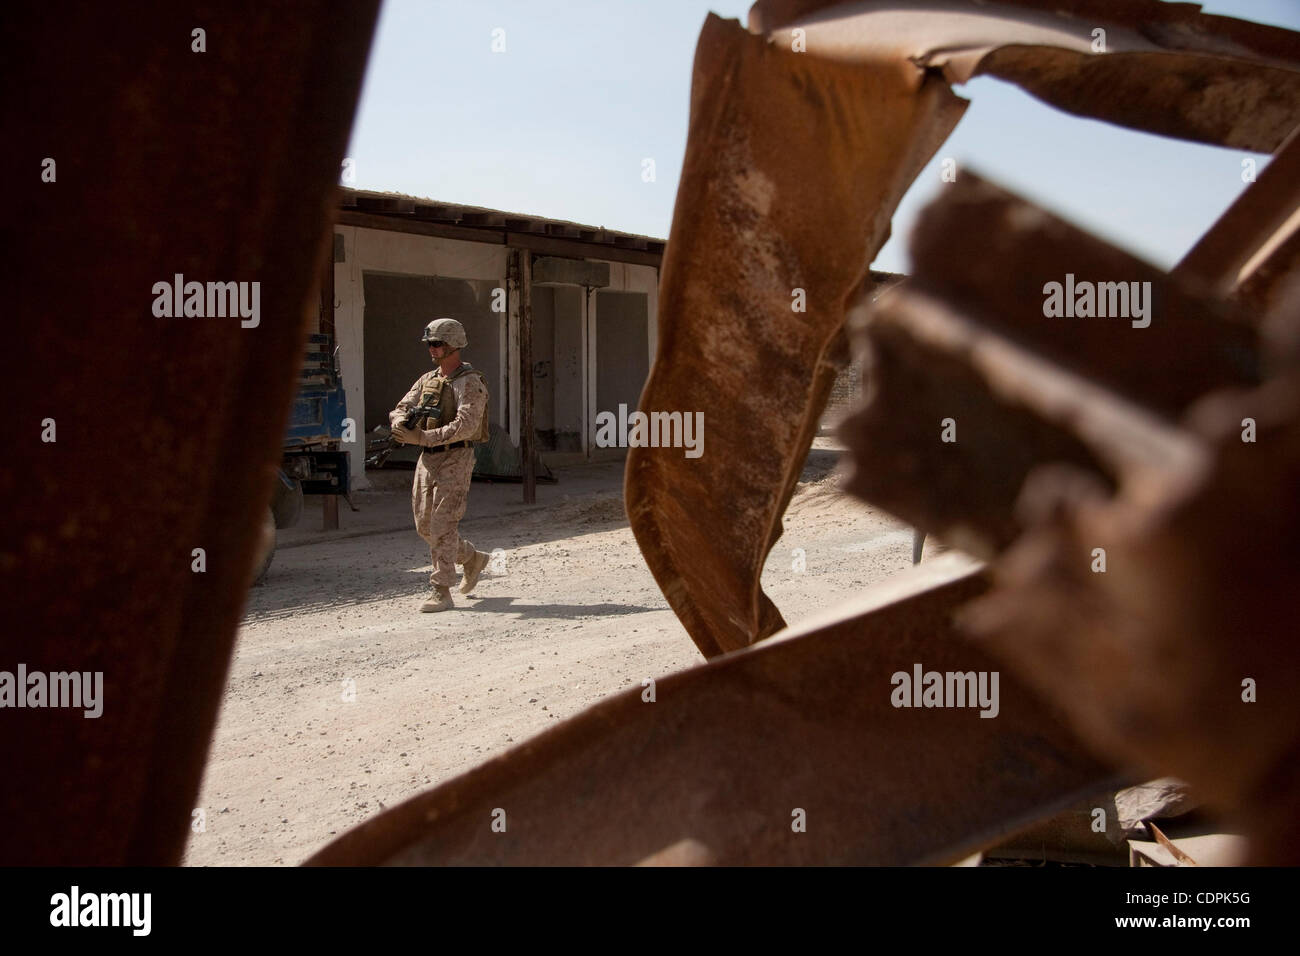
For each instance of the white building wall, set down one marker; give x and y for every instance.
(377, 250)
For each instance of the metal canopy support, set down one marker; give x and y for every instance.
(526, 376)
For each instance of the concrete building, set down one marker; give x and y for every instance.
(566, 308)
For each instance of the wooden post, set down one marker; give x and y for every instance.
(526, 375)
(511, 390)
(325, 315)
(325, 325)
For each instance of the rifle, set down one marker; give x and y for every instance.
(421, 411)
(378, 450)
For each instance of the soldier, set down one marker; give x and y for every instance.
(458, 396)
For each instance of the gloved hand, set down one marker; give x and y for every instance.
(410, 436)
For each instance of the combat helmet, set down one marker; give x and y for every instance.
(446, 330)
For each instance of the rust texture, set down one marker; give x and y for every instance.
(1171, 450)
(781, 146)
(1165, 68)
(795, 162)
(219, 166)
(964, 342)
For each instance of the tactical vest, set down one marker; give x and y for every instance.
(433, 392)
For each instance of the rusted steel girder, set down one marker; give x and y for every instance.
(1159, 67)
(795, 162)
(1152, 657)
(793, 168)
(1087, 439)
(1251, 236)
(217, 164)
(1089, 412)
(962, 342)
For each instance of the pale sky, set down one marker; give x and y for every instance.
(559, 124)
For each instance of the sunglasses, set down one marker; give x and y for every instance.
(435, 344)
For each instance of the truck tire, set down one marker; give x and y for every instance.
(286, 503)
(265, 548)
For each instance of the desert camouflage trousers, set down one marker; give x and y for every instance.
(438, 498)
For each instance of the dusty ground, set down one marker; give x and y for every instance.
(574, 617)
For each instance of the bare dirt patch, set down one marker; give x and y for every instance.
(575, 617)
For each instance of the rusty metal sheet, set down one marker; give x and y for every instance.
(1261, 291)
(217, 165)
(921, 383)
(793, 168)
(1166, 68)
(964, 344)
(730, 235)
(1067, 420)
(1158, 651)
(714, 768)
(1152, 656)
(1143, 319)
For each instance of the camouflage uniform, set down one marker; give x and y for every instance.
(440, 492)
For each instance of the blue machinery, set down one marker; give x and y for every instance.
(314, 460)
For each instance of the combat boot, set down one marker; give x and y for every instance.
(473, 568)
(439, 600)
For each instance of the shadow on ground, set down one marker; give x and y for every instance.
(327, 573)
(507, 605)
(379, 567)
